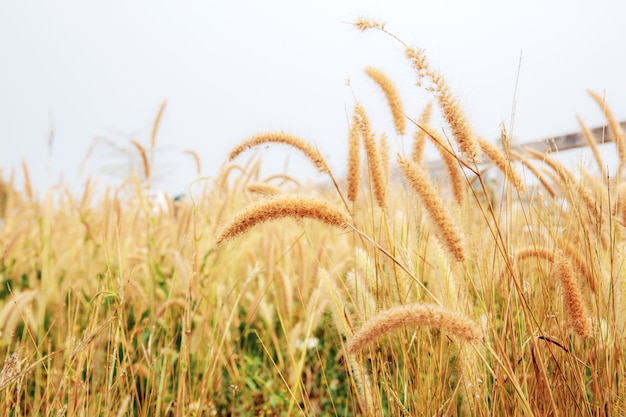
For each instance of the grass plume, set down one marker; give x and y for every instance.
(415, 315)
(297, 207)
(280, 137)
(392, 95)
(447, 231)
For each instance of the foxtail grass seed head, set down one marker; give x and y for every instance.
(297, 207)
(419, 137)
(376, 170)
(614, 125)
(264, 189)
(449, 104)
(593, 144)
(196, 159)
(621, 203)
(364, 24)
(392, 95)
(144, 157)
(354, 160)
(414, 315)
(575, 308)
(280, 137)
(384, 157)
(503, 164)
(452, 166)
(157, 122)
(445, 228)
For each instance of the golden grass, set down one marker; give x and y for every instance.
(415, 315)
(353, 177)
(297, 207)
(419, 137)
(577, 314)
(614, 126)
(446, 229)
(374, 161)
(281, 137)
(392, 95)
(413, 303)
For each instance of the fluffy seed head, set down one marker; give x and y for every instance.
(575, 308)
(280, 137)
(392, 95)
(444, 226)
(282, 206)
(354, 160)
(414, 315)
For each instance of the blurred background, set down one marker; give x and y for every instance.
(79, 80)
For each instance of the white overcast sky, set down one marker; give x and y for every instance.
(230, 69)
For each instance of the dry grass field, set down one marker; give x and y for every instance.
(391, 292)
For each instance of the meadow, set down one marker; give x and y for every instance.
(495, 288)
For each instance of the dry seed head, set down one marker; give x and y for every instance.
(449, 105)
(11, 369)
(364, 24)
(155, 125)
(614, 126)
(524, 161)
(264, 189)
(354, 160)
(567, 178)
(392, 95)
(621, 203)
(144, 157)
(280, 137)
(575, 308)
(196, 158)
(376, 170)
(414, 315)
(593, 144)
(503, 164)
(28, 188)
(574, 254)
(419, 137)
(297, 207)
(446, 229)
(384, 156)
(452, 166)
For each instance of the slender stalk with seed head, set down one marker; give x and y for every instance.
(392, 95)
(354, 159)
(542, 180)
(376, 170)
(297, 207)
(621, 203)
(567, 178)
(574, 254)
(157, 122)
(444, 226)
(280, 137)
(452, 166)
(264, 189)
(614, 126)
(414, 315)
(196, 159)
(591, 141)
(419, 137)
(503, 164)
(384, 156)
(144, 158)
(575, 308)
(449, 104)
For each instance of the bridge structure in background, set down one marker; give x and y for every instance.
(602, 135)
(575, 140)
